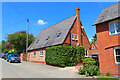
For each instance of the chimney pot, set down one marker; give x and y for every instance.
(77, 8)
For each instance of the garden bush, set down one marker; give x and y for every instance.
(64, 55)
(107, 74)
(5, 51)
(89, 69)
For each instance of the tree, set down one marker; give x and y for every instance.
(94, 38)
(6, 46)
(18, 40)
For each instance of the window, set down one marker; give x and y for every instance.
(76, 38)
(117, 54)
(47, 37)
(41, 53)
(118, 26)
(86, 53)
(37, 41)
(58, 34)
(72, 36)
(34, 54)
(114, 28)
(93, 47)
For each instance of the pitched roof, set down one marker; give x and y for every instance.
(109, 13)
(95, 43)
(48, 36)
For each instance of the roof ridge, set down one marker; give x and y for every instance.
(57, 23)
(112, 5)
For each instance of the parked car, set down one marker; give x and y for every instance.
(3, 54)
(13, 58)
(0, 55)
(6, 55)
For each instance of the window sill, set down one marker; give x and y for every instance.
(114, 34)
(86, 56)
(41, 56)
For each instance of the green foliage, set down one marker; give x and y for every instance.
(64, 55)
(6, 45)
(86, 74)
(89, 67)
(18, 40)
(82, 70)
(89, 61)
(94, 38)
(107, 74)
(12, 51)
(5, 51)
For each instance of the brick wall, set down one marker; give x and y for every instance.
(85, 42)
(23, 56)
(37, 58)
(106, 45)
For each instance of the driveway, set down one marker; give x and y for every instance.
(35, 70)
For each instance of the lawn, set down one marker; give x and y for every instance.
(107, 78)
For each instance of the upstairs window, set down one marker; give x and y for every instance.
(117, 55)
(114, 28)
(93, 47)
(34, 54)
(47, 37)
(37, 41)
(72, 36)
(86, 53)
(118, 26)
(41, 53)
(76, 37)
(58, 34)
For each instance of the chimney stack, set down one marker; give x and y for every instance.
(78, 25)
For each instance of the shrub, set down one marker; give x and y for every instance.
(12, 51)
(86, 74)
(64, 55)
(5, 51)
(89, 67)
(82, 71)
(107, 74)
(88, 61)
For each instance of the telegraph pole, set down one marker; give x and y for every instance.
(27, 39)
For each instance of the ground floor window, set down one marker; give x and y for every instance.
(117, 54)
(86, 53)
(41, 53)
(34, 54)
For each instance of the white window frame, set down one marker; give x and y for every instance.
(93, 47)
(116, 55)
(34, 55)
(76, 37)
(41, 53)
(72, 36)
(85, 53)
(114, 22)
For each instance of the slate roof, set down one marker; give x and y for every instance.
(51, 33)
(109, 13)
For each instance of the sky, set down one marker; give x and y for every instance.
(45, 14)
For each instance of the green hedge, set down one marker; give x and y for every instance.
(64, 55)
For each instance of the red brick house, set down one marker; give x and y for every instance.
(94, 49)
(108, 39)
(67, 32)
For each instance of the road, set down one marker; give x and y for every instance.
(35, 70)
